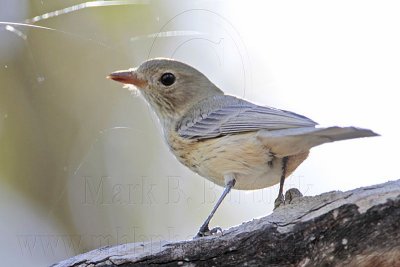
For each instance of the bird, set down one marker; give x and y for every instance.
(225, 139)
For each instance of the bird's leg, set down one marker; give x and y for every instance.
(280, 199)
(204, 230)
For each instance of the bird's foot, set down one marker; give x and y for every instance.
(279, 201)
(205, 231)
(290, 195)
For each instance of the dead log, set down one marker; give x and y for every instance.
(360, 227)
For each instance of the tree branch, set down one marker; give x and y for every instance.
(354, 228)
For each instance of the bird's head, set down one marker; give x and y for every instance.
(171, 87)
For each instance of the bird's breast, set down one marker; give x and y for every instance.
(241, 154)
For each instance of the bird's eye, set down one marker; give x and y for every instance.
(167, 79)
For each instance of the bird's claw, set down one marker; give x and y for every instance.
(280, 200)
(203, 232)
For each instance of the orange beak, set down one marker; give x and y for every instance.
(127, 77)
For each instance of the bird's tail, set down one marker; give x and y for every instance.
(293, 141)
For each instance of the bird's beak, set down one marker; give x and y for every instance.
(127, 77)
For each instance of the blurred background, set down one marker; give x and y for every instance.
(82, 160)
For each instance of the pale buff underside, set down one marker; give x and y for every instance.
(242, 155)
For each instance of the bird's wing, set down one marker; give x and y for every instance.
(223, 114)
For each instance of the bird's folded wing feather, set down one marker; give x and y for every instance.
(223, 114)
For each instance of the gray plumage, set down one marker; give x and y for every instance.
(224, 114)
(287, 133)
(293, 141)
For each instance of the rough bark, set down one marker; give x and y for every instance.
(354, 228)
